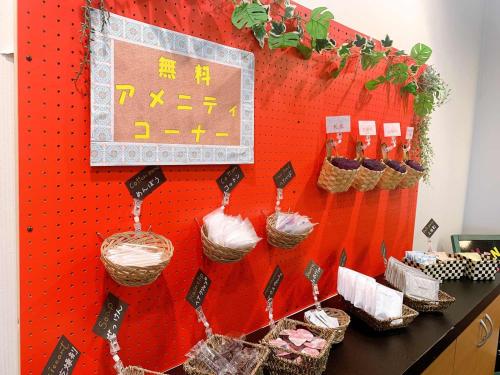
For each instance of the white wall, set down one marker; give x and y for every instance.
(482, 209)
(9, 283)
(453, 29)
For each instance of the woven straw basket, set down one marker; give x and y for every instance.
(342, 317)
(134, 370)
(365, 179)
(132, 275)
(445, 300)
(411, 179)
(309, 365)
(194, 367)
(335, 180)
(384, 325)
(281, 239)
(390, 179)
(221, 254)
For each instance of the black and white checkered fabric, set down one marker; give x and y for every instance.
(484, 270)
(451, 270)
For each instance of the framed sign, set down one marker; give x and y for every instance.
(159, 97)
(476, 243)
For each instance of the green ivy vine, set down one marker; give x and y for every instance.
(283, 27)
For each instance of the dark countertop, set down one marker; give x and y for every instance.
(405, 351)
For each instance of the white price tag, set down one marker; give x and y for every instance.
(367, 128)
(392, 129)
(409, 133)
(338, 124)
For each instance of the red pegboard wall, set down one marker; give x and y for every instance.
(65, 201)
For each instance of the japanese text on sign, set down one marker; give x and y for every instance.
(198, 290)
(273, 284)
(367, 128)
(338, 124)
(313, 272)
(392, 129)
(63, 359)
(145, 182)
(230, 178)
(284, 175)
(110, 318)
(430, 228)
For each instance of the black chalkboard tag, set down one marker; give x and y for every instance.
(284, 175)
(110, 318)
(230, 178)
(343, 258)
(63, 359)
(383, 251)
(198, 290)
(145, 182)
(313, 272)
(430, 228)
(273, 284)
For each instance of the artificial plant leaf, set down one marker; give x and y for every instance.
(370, 59)
(249, 15)
(423, 104)
(324, 45)
(290, 39)
(319, 23)
(300, 30)
(374, 83)
(360, 41)
(305, 51)
(344, 50)
(259, 31)
(421, 53)
(397, 73)
(370, 45)
(410, 88)
(289, 11)
(387, 42)
(277, 28)
(414, 69)
(400, 53)
(335, 73)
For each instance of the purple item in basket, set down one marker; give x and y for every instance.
(373, 165)
(344, 163)
(415, 165)
(396, 166)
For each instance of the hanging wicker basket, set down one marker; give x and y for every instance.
(366, 179)
(221, 254)
(194, 367)
(134, 370)
(133, 275)
(308, 365)
(411, 179)
(344, 321)
(332, 178)
(281, 239)
(390, 179)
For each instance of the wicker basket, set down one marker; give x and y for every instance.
(309, 365)
(366, 179)
(334, 179)
(445, 300)
(132, 275)
(411, 179)
(134, 370)
(194, 367)
(281, 239)
(221, 254)
(384, 325)
(344, 321)
(390, 179)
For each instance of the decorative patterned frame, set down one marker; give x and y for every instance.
(105, 151)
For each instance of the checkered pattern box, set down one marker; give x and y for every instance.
(486, 269)
(450, 270)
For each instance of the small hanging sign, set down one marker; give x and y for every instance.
(110, 318)
(367, 128)
(284, 175)
(338, 124)
(409, 133)
(198, 290)
(430, 228)
(392, 129)
(63, 359)
(343, 258)
(230, 178)
(273, 284)
(313, 272)
(145, 182)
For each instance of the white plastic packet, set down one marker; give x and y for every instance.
(293, 223)
(230, 231)
(321, 319)
(388, 304)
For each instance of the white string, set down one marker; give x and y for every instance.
(203, 319)
(136, 211)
